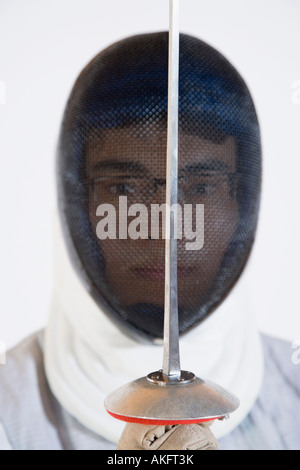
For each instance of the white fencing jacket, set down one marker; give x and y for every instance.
(54, 383)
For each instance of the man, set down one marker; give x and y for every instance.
(106, 321)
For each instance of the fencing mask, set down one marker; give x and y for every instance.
(112, 171)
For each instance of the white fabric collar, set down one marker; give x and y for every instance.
(87, 357)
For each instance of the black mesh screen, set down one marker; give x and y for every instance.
(113, 143)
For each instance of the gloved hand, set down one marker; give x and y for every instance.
(177, 437)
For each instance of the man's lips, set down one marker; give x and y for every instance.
(157, 273)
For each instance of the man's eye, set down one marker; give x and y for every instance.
(121, 189)
(202, 189)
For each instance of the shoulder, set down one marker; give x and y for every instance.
(22, 366)
(277, 411)
(27, 354)
(28, 410)
(22, 369)
(282, 362)
(274, 421)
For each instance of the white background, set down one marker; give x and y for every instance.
(44, 44)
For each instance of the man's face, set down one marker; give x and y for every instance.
(130, 162)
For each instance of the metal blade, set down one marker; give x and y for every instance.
(171, 396)
(171, 359)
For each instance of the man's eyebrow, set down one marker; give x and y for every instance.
(200, 167)
(117, 165)
(136, 167)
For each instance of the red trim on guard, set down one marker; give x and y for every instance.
(158, 422)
